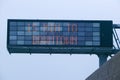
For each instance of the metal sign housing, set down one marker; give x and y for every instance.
(58, 36)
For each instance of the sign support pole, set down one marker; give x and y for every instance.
(102, 59)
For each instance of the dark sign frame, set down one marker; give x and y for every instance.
(105, 38)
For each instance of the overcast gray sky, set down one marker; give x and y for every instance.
(51, 67)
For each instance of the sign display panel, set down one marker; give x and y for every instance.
(61, 33)
(54, 33)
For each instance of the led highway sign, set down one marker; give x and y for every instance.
(59, 33)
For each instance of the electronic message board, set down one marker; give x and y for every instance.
(28, 35)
